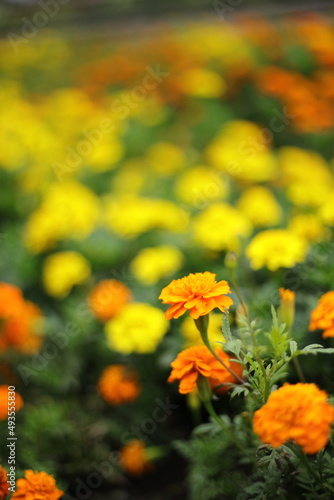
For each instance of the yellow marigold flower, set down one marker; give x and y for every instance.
(37, 485)
(152, 264)
(197, 293)
(198, 360)
(4, 486)
(259, 205)
(134, 459)
(326, 210)
(298, 412)
(108, 298)
(165, 157)
(129, 216)
(68, 210)
(220, 227)
(105, 155)
(241, 150)
(201, 82)
(131, 178)
(286, 310)
(276, 248)
(322, 316)
(306, 176)
(62, 271)
(201, 185)
(307, 226)
(118, 384)
(138, 328)
(4, 402)
(192, 336)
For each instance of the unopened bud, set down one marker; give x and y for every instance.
(231, 260)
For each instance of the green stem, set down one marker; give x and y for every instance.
(215, 417)
(299, 370)
(202, 326)
(249, 323)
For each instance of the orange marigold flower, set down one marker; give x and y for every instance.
(322, 317)
(197, 293)
(4, 402)
(4, 487)
(134, 459)
(37, 486)
(198, 360)
(298, 412)
(118, 385)
(19, 321)
(107, 299)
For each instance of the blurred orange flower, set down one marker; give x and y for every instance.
(197, 293)
(118, 385)
(20, 321)
(134, 459)
(322, 317)
(35, 486)
(107, 299)
(298, 412)
(198, 360)
(4, 402)
(4, 488)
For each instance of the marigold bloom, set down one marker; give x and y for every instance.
(62, 271)
(118, 385)
(20, 321)
(138, 328)
(298, 412)
(152, 264)
(322, 317)
(4, 487)
(275, 248)
(4, 402)
(134, 459)
(198, 360)
(108, 298)
(199, 293)
(36, 486)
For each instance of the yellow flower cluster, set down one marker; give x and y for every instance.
(62, 271)
(152, 264)
(137, 328)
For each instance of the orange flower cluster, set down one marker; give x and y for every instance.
(308, 107)
(134, 459)
(197, 293)
(298, 412)
(198, 360)
(4, 402)
(118, 385)
(4, 488)
(322, 317)
(20, 321)
(107, 299)
(37, 486)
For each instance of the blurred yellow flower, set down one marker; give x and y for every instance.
(276, 248)
(128, 216)
(105, 155)
(241, 150)
(259, 205)
(62, 271)
(165, 158)
(68, 210)
(306, 176)
(192, 336)
(201, 185)
(308, 226)
(202, 82)
(220, 227)
(152, 264)
(138, 328)
(326, 210)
